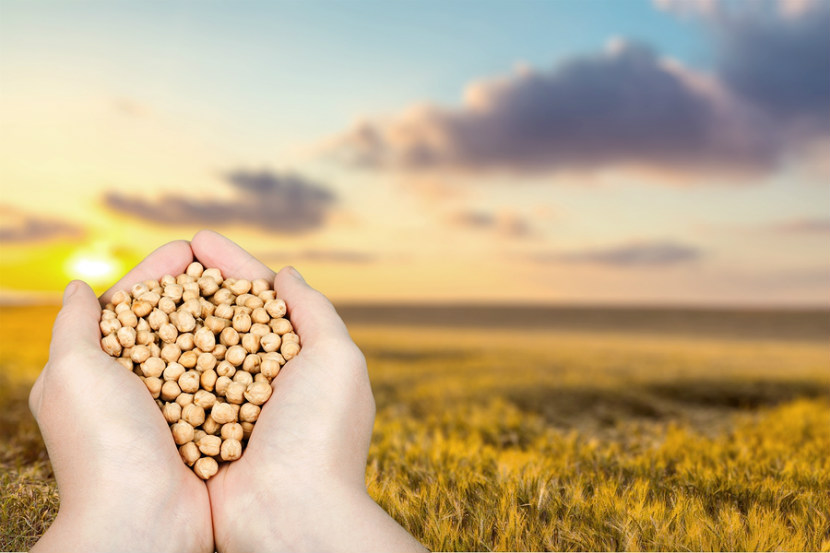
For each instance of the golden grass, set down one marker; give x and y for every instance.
(498, 439)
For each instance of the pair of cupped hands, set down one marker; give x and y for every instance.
(300, 482)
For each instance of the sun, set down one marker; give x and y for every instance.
(94, 267)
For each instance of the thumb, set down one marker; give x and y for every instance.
(312, 314)
(76, 325)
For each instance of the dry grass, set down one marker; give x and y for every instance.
(490, 439)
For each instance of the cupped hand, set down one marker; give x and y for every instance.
(122, 483)
(300, 483)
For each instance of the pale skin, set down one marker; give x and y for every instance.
(299, 484)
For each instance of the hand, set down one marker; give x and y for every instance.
(300, 483)
(122, 483)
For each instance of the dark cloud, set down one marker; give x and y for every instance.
(779, 61)
(351, 257)
(275, 202)
(642, 254)
(505, 224)
(18, 227)
(627, 106)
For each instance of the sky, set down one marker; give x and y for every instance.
(596, 152)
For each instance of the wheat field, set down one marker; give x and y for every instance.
(535, 437)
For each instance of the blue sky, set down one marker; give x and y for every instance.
(601, 151)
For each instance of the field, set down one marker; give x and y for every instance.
(538, 430)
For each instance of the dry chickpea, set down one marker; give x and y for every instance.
(188, 359)
(157, 318)
(232, 430)
(126, 336)
(270, 342)
(173, 371)
(204, 339)
(127, 318)
(189, 381)
(247, 428)
(258, 393)
(168, 333)
(219, 352)
(248, 412)
(235, 392)
(205, 467)
(154, 385)
(138, 289)
(290, 337)
(259, 285)
(193, 414)
(109, 325)
(259, 329)
(185, 341)
(223, 297)
(250, 342)
(170, 353)
(111, 345)
(208, 379)
(184, 399)
(144, 337)
(126, 363)
(172, 412)
(231, 450)
(184, 320)
(190, 453)
(184, 279)
(207, 286)
(251, 363)
(170, 390)
(182, 432)
(213, 273)
(120, 296)
(253, 303)
(153, 366)
(267, 295)
(241, 322)
(207, 308)
(276, 308)
(289, 350)
(152, 297)
(211, 426)
(240, 286)
(209, 445)
(269, 368)
(216, 324)
(221, 386)
(224, 368)
(235, 355)
(222, 413)
(205, 362)
(167, 305)
(142, 308)
(259, 377)
(281, 326)
(229, 337)
(204, 399)
(194, 270)
(140, 354)
(173, 291)
(243, 377)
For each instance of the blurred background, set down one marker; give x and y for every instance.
(585, 246)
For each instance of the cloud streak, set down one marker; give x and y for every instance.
(21, 228)
(641, 254)
(504, 223)
(626, 106)
(283, 203)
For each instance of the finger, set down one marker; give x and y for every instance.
(214, 250)
(170, 259)
(312, 314)
(77, 322)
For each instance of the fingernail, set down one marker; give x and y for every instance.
(295, 273)
(70, 290)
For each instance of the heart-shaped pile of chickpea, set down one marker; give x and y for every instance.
(207, 349)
